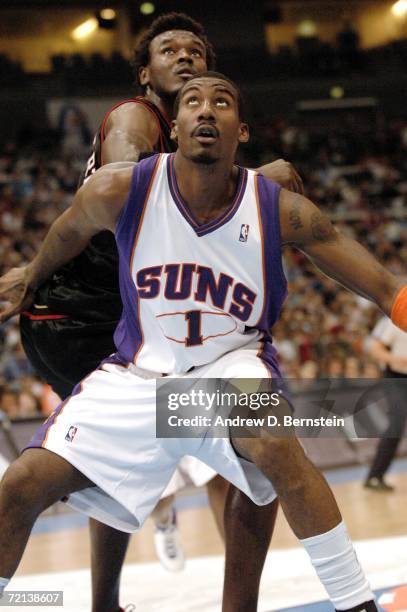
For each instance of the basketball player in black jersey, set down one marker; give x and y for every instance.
(76, 312)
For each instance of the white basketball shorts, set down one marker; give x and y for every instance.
(107, 431)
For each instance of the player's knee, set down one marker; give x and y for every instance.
(279, 458)
(19, 489)
(218, 485)
(268, 452)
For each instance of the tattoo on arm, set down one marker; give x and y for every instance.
(295, 216)
(322, 229)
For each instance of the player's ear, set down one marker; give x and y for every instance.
(244, 134)
(174, 131)
(144, 76)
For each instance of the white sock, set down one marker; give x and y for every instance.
(335, 561)
(3, 583)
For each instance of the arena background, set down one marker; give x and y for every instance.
(325, 85)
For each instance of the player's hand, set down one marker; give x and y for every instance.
(15, 289)
(284, 174)
(397, 364)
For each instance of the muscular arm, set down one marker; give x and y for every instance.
(343, 259)
(96, 206)
(130, 130)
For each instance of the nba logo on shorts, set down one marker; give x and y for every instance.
(71, 433)
(244, 232)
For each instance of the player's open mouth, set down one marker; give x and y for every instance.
(206, 133)
(185, 74)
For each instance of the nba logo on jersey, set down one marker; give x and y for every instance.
(71, 433)
(244, 232)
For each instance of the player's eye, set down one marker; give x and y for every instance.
(168, 51)
(196, 52)
(222, 102)
(192, 101)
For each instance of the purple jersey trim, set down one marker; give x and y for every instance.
(268, 354)
(128, 336)
(275, 289)
(206, 228)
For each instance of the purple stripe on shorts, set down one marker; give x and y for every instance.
(39, 437)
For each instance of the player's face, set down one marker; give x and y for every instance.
(207, 127)
(175, 56)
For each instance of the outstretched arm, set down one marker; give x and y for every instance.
(304, 226)
(96, 207)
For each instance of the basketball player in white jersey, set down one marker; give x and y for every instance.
(198, 302)
(80, 305)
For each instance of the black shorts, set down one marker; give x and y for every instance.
(64, 351)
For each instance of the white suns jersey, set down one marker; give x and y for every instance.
(192, 292)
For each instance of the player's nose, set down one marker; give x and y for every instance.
(206, 111)
(184, 56)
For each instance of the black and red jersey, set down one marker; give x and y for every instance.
(88, 286)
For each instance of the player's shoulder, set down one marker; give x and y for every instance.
(263, 180)
(109, 180)
(132, 110)
(151, 163)
(267, 190)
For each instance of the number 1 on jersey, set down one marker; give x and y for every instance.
(193, 319)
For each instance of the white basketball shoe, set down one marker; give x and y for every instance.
(167, 541)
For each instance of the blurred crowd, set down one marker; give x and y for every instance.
(308, 55)
(358, 174)
(36, 186)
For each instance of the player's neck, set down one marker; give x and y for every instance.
(165, 105)
(207, 189)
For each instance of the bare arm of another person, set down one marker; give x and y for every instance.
(96, 206)
(284, 174)
(304, 226)
(130, 130)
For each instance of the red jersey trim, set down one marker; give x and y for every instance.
(51, 317)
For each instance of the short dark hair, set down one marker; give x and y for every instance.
(164, 23)
(211, 74)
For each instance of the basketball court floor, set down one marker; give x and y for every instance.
(57, 557)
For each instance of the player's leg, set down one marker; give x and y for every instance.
(217, 489)
(167, 538)
(162, 513)
(313, 514)
(40, 338)
(36, 480)
(108, 550)
(255, 525)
